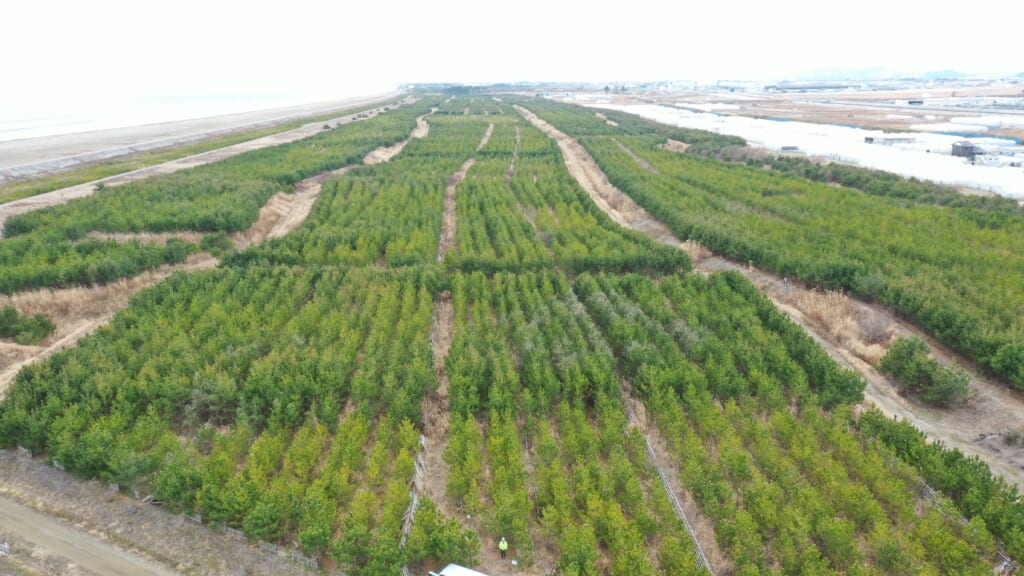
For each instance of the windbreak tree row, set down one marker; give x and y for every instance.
(954, 270)
(280, 401)
(518, 209)
(539, 449)
(389, 214)
(790, 490)
(879, 183)
(51, 247)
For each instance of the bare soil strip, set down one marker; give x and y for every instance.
(385, 153)
(675, 145)
(435, 434)
(435, 409)
(486, 138)
(984, 426)
(515, 154)
(618, 206)
(82, 549)
(285, 212)
(160, 238)
(88, 516)
(431, 469)
(647, 165)
(435, 404)
(701, 530)
(82, 190)
(448, 241)
(77, 312)
(606, 120)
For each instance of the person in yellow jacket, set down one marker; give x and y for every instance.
(503, 546)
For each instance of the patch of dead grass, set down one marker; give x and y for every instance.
(863, 332)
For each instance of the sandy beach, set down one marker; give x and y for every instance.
(37, 156)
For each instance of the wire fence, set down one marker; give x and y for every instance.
(702, 560)
(935, 499)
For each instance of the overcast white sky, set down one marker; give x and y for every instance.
(56, 51)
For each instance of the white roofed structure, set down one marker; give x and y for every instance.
(456, 570)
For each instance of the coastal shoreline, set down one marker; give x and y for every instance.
(32, 157)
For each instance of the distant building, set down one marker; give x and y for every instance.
(966, 149)
(889, 140)
(456, 570)
(1008, 160)
(915, 102)
(785, 149)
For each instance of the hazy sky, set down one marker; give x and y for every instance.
(91, 50)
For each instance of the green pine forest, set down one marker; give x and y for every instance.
(283, 393)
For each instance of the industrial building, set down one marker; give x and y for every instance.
(889, 140)
(966, 149)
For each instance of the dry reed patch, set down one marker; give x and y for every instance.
(160, 238)
(675, 146)
(696, 251)
(864, 332)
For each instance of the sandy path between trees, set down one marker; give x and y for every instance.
(385, 153)
(435, 408)
(700, 526)
(434, 484)
(78, 312)
(979, 427)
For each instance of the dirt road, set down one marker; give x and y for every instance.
(82, 549)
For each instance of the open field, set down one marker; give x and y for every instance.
(489, 329)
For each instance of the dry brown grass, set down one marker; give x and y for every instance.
(149, 237)
(864, 332)
(675, 146)
(696, 251)
(70, 306)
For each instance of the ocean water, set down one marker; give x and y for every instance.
(36, 119)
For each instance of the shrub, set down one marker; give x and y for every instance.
(915, 373)
(24, 330)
